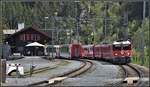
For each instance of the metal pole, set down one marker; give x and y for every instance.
(52, 37)
(94, 31)
(105, 22)
(3, 65)
(3, 70)
(142, 34)
(52, 45)
(125, 23)
(78, 20)
(144, 9)
(70, 36)
(105, 28)
(45, 24)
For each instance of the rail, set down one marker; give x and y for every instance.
(132, 75)
(86, 65)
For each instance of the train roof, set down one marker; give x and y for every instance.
(87, 45)
(56, 46)
(122, 42)
(103, 45)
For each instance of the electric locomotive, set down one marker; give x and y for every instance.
(122, 52)
(117, 52)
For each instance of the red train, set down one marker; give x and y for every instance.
(88, 51)
(117, 52)
(69, 51)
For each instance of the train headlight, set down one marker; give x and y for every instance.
(128, 54)
(122, 52)
(115, 54)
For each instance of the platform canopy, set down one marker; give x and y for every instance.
(35, 44)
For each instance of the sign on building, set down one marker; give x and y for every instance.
(20, 26)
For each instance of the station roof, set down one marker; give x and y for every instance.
(29, 28)
(87, 45)
(9, 31)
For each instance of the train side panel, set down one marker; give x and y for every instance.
(88, 51)
(65, 51)
(52, 50)
(106, 52)
(76, 51)
(97, 52)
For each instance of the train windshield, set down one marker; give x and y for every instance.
(85, 48)
(117, 47)
(127, 47)
(122, 47)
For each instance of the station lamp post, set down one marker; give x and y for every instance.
(45, 22)
(45, 18)
(69, 35)
(55, 14)
(77, 20)
(92, 34)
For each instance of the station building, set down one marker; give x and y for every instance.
(19, 39)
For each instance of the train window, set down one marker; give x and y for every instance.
(97, 49)
(91, 48)
(127, 47)
(85, 49)
(50, 49)
(116, 47)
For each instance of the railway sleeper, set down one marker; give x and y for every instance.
(131, 80)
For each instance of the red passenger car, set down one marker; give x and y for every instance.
(103, 51)
(88, 51)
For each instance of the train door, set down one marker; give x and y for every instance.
(76, 53)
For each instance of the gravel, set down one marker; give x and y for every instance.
(100, 75)
(27, 62)
(63, 67)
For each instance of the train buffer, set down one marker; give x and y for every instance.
(131, 80)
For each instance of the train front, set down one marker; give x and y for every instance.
(122, 52)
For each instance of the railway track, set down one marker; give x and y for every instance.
(86, 65)
(28, 73)
(132, 75)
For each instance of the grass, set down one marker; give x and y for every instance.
(138, 61)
